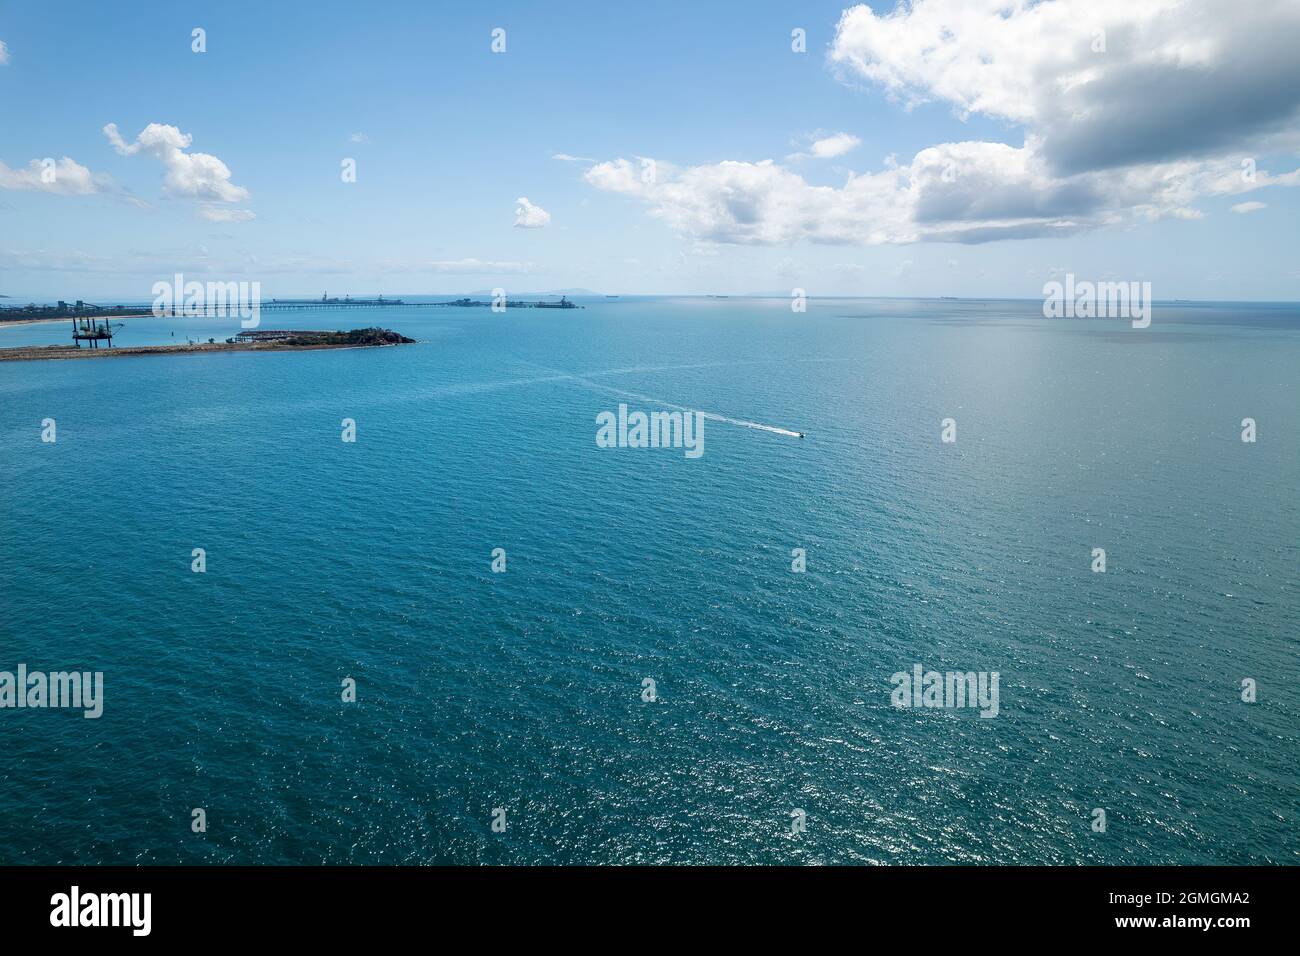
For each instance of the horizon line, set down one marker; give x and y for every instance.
(677, 295)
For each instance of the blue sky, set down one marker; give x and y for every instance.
(452, 135)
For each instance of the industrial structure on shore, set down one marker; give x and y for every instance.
(65, 310)
(468, 303)
(84, 315)
(346, 302)
(93, 332)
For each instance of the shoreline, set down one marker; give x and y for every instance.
(35, 353)
(5, 323)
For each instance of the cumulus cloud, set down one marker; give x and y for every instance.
(359, 138)
(837, 145)
(829, 147)
(1129, 111)
(66, 177)
(969, 192)
(1101, 83)
(1245, 207)
(758, 203)
(623, 176)
(198, 176)
(529, 216)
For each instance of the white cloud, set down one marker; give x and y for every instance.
(967, 192)
(758, 203)
(831, 146)
(359, 138)
(565, 157)
(1100, 82)
(66, 177)
(1130, 111)
(1245, 207)
(617, 176)
(4, 53)
(198, 176)
(529, 216)
(827, 147)
(223, 214)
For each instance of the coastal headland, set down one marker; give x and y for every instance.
(267, 341)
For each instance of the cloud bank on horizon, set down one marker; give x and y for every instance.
(1127, 110)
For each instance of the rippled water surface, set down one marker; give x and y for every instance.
(523, 690)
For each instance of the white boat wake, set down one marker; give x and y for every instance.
(650, 400)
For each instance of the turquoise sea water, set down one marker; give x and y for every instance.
(523, 690)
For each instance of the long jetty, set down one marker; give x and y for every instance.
(88, 311)
(19, 313)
